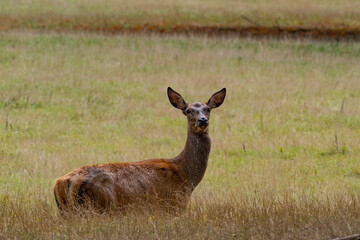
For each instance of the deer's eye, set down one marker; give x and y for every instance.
(188, 111)
(207, 109)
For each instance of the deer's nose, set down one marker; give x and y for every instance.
(203, 121)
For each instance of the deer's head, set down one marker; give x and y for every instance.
(198, 114)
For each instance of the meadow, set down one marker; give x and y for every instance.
(285, 158)
(285, 153)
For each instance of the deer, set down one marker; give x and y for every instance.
(167, 183)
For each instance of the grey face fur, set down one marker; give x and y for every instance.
(198, 115)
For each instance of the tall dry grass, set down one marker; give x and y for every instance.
(208, 217)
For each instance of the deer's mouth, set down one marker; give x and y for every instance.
(201, 127)
(198, 126)
(203, 124)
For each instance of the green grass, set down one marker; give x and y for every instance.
(285, 155)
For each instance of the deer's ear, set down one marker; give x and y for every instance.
(176, 99)
(217, 99)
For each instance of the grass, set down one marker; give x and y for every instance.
(54, 14)
(285, 155)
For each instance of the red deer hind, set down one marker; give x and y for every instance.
(161, 182)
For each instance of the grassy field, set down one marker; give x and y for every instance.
(285, 157)
(54, 14)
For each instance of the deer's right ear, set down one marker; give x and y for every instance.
(217, 99)
(176, 99)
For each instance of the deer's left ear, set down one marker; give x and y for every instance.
(217, 99)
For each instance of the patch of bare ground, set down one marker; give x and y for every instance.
(276, 32)
(257, 32)
(321, 32)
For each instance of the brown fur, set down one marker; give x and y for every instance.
(167, 183)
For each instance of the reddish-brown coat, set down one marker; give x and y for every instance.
(118, 184)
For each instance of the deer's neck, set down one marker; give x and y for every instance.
(193, 159)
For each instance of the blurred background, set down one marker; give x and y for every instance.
(84, 82)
